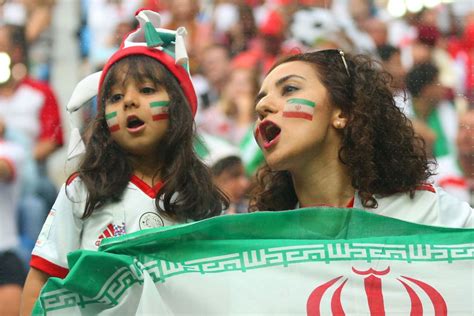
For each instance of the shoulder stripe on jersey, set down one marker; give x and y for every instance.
(48, 267)
(71, 178)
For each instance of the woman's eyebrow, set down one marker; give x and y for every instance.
(286, 78)
(279, 82)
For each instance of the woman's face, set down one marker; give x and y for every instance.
(297, 126)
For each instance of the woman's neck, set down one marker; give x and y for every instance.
(328, 185)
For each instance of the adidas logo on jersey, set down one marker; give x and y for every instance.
(108, 232)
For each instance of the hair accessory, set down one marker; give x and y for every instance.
(84, 92)
(165, 46)
(344, 61)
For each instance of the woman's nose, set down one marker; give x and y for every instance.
(265, 106)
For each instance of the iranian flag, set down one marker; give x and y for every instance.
(159, 110)
(299, 108)
(319, 261)
(112, 121)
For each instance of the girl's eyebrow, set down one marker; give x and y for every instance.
(279, 82)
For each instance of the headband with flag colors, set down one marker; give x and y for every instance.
(165, 46)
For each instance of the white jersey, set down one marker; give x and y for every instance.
(64, 230)
(430, 206)
(14, 155)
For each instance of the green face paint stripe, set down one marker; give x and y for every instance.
(302, 101)
(110, 115)
(159, 103)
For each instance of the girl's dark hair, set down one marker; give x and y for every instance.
(379, 147)
(105, 169)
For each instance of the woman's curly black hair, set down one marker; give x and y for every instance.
(379, 147)
(106, 171)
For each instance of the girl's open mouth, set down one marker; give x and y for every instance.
(134, 124)
(270, 133)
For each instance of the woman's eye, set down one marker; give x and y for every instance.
(148, 90)
(115, 98)
(289, 89)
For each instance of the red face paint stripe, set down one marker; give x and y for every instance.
(160, 117)
(302, 115)
(114, 128)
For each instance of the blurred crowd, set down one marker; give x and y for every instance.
(232, 44)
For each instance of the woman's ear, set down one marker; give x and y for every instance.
(339, 119)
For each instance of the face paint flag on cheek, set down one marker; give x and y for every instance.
(112, 121)
(159, 110)
(299, 108)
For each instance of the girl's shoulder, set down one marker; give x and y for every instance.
(74, 188)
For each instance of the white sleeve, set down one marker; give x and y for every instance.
(61, 232)
(454, 212)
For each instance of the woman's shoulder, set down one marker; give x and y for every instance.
(430, 205)
(453, 211)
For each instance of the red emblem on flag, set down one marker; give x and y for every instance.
(374, 294)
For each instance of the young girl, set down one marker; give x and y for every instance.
(332, 135)
(139, 170)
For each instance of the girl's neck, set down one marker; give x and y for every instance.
(329, 186)
(147, 170)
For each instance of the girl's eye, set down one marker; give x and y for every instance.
(148, 90)
(115, 98)
(288, 89)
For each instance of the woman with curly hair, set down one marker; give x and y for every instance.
(332, 135)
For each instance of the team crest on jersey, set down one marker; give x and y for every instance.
(150, 220)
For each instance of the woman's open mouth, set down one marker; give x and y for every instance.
(134, 124)
(270, 133)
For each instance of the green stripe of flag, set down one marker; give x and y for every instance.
(302, 101)
(159, 103)
(110, 115)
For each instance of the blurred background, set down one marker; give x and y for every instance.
(48, 46)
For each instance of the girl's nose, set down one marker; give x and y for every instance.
(130, 99)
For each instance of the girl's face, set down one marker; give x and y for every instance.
(297, 126)
(137, 115)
